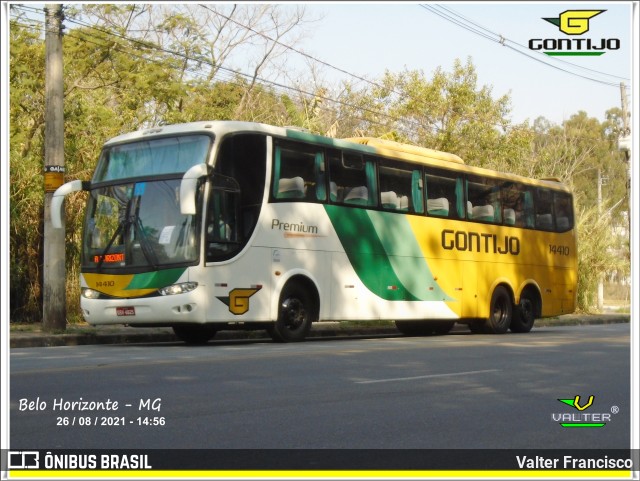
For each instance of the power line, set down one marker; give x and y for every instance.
(232, 75)
(299, 52)
(274, 84)
(475, 28)
(503, 39)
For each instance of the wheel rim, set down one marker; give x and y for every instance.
(294, 313)
(526, 308)
(500, 311)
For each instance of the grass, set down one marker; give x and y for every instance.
(75, 328)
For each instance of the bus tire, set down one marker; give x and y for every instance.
(195, 334)
(524, 314)
(500, 312)
(295, 315)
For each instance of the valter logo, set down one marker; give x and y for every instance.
(574, 23)
(582, 419)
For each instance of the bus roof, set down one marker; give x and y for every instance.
(394, 147)
(219, 127)
(368, 145)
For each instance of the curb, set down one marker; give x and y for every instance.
(40, 339)
(132, 335)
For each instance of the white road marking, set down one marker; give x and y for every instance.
(429, 376)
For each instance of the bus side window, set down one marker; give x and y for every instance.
(352, 179)
(512, 207)
(528, 213)
(297, 174)
(563, 211)
(543, 205)
(484, 195)
(445, 197)
(400, 187)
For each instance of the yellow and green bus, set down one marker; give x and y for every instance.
(218, 225)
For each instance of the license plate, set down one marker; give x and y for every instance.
(125, 311)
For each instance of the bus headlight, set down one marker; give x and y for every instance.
(90, 293)
(178, 288)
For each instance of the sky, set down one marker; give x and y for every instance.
(368, 38)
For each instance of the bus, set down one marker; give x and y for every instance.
(218, 225)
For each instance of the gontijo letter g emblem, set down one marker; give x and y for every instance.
(574, 22)
(238, 300)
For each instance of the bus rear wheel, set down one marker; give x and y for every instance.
(500, 313)
(295, 314)
(524, 314)
(195, 334)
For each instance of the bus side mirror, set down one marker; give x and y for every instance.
(188, 188)
(58, 199)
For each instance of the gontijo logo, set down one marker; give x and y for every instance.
(238, 299)
(574, 22)
(582, 419)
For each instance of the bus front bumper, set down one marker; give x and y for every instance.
(151, 311)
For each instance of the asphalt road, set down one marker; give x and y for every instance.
(454, 391)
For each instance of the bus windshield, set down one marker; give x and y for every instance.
(138, 225)
(171, 155)
(133, 218)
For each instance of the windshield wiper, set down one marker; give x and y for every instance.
(131, 218)
(122, 226)
(119, 229)
(147, 250)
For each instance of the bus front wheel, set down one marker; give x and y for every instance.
(294, 315)
(500, 312)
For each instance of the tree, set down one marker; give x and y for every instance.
(26, 190)
(578, 152)
(132, 66)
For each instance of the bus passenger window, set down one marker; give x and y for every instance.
(484, 195)
(298, 174)
(352, 179)
(400, 187)
(563, 211)
(444, 191)
(517, 206)
(543, 205)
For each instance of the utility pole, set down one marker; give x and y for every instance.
(601, 277)
(54, 315)
(624, 144)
